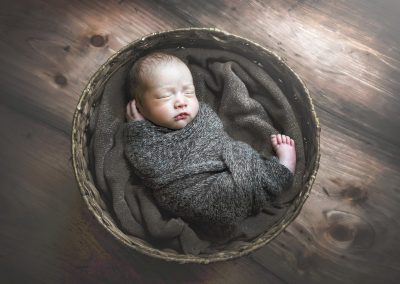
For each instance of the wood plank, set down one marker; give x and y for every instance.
(348, 54)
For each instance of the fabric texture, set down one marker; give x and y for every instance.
(251, 103)
(201, 174)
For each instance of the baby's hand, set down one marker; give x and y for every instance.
(132, 113)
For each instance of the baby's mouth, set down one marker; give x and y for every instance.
(180, 116)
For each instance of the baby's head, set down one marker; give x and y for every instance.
(163, 88)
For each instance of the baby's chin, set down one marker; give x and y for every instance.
(180, 124)
(175, 125)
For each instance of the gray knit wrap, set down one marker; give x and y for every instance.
(199, 173)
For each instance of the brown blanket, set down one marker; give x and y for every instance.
(251, 106)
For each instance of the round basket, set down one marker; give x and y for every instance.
(183, 38)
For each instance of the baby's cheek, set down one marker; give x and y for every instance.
(160, 112)
(160, 107)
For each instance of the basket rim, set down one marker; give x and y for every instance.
(76, 148)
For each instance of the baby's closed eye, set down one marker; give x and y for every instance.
(189, 92)
(163, 96)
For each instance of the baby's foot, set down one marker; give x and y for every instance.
(285, 149)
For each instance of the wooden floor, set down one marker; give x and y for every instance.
(347, 53)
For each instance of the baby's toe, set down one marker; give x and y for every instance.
(279, 138)
(274, 140)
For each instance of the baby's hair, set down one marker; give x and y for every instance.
(142, 68)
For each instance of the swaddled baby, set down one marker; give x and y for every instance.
(179, 149)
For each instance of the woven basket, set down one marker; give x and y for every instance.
(182, 38)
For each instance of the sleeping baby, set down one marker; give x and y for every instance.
(178, 147)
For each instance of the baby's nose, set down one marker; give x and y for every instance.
(180, 101)
(180, 104)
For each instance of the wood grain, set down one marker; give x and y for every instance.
(347, 53)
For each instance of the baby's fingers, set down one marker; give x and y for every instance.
(133, 108)
(135, 112)
(129, 115)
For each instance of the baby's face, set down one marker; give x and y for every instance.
(170, 92)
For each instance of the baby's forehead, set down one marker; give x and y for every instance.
(150, 68)
(152, 65)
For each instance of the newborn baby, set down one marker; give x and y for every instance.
(178, 147)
